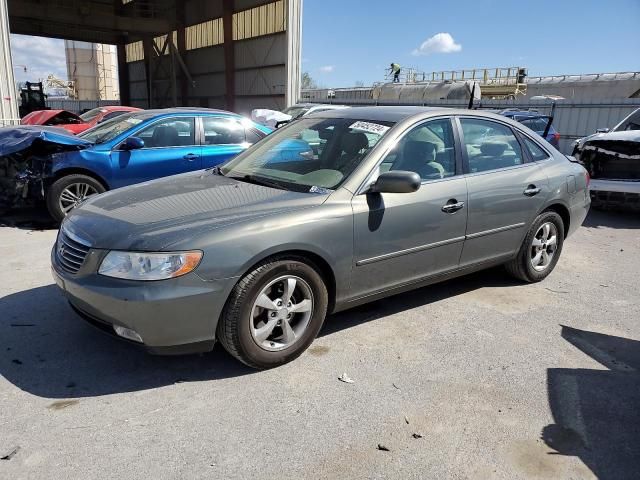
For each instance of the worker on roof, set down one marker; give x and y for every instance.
(395, 70)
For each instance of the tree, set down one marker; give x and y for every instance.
(308, 82)
(359, 83)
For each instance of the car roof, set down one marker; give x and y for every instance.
(522, 113)
(398, 113)
(184, 110)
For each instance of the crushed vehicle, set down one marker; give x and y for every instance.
(72, 122)
(612, 158)
(275, 119)
(50, 164)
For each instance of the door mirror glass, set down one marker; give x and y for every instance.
(396, 181)
(133, 143)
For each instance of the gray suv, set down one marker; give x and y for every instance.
(337, 209)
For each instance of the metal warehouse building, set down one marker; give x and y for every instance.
(231, 54)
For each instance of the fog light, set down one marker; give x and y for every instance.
(127, 333)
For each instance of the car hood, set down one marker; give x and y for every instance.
(16, 139)
(152, 216)
(626, 136)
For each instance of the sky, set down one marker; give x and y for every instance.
(351, 41)
(355, 40)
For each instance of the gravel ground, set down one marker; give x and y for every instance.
(497, 379)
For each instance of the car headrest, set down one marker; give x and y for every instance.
(493, 149)
(353, 142)
(165, 136)
(418, 150)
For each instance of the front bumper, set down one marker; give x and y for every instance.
(172, 316)
(615, 193)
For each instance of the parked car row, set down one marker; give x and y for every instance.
(63, 170)
(333, 210)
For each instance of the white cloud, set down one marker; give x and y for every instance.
(439, 43)
(42, 56)
(327, 68)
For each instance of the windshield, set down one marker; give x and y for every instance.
(110, 129)
(310, 155)
(91, 114)
(296, 112)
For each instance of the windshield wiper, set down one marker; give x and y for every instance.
(259, 181)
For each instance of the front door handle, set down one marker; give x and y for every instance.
(452, 206)
(190, 157)
(531, 190)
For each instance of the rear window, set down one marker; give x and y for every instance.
(537, 153)
(535, 124)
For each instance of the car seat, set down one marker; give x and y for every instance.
(352, 143)
(419, 156)
(165, 136)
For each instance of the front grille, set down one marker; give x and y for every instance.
(70, 252)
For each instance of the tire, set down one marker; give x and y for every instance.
(70, 183)
(242, 319)
(522, 266)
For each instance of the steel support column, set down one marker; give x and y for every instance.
(8, 92)
(229, 54)
(294, 51)
(123, 76)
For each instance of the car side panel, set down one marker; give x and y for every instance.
(93, 160)
(499, 211)
(325, 231)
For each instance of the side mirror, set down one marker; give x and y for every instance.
(132, 143)
(602, 130)
(397, 181)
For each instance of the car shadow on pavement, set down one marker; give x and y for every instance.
(31, 218)
(612, 219)
(48, 351)
(494, 277)
(596, 412)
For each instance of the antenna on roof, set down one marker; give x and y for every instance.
(473, 93)
(550, 121)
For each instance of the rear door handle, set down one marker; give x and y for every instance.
(531, 190)
(190, 157)
(452, 206)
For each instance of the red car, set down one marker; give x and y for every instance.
(72, 122)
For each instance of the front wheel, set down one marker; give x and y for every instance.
(274, 313)
(67, 192)
(540, 249)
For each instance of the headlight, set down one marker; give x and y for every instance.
(148, 266)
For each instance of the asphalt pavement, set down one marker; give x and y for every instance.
(480, 377)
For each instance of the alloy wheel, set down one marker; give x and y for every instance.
(73, 194)
(281, 313)
(544, 246)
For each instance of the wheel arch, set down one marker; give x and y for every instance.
(564, 213)
(63, 172)
(325, 270)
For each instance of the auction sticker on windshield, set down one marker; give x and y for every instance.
(369, 127)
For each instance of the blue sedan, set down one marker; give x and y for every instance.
(129, 149)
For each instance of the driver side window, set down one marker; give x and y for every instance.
(428, 150)
(171, 132)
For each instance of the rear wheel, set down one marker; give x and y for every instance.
(67, 192)
(274, 313)
(540, 249)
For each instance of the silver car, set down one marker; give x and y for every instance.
(335, 210)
